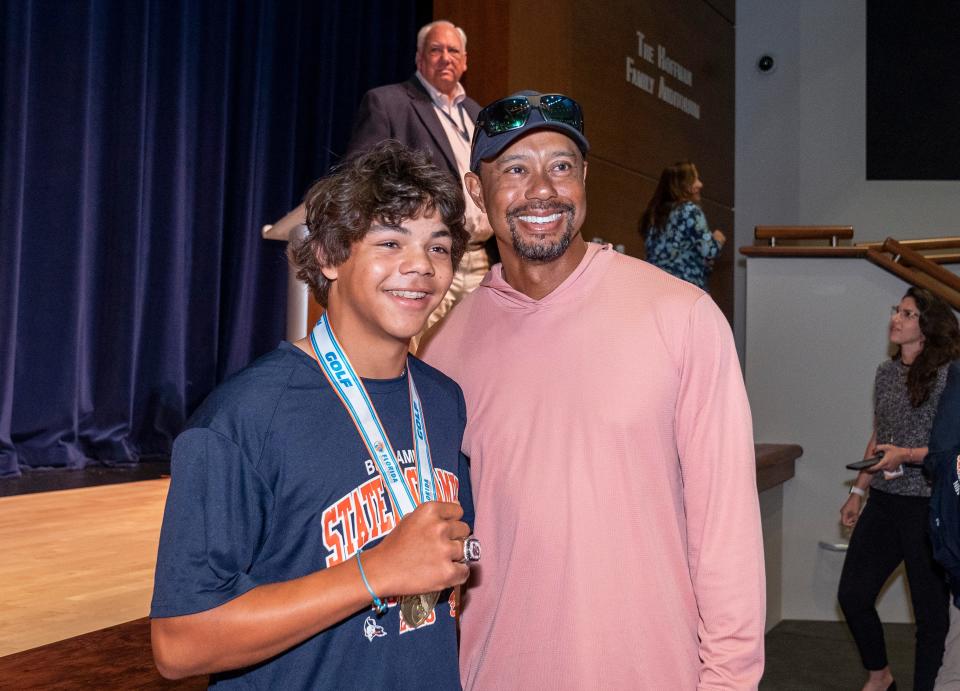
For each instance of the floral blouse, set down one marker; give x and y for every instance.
(685, 246)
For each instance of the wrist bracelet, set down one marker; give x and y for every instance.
(858, 491)
(379, 606)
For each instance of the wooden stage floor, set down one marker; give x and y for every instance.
(76, 561)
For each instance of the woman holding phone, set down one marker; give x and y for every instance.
(892, 527)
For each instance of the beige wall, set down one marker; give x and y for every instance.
(801, 132)
(816, 331)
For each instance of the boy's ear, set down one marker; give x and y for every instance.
(329, 272)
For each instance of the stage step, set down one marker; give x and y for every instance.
(117, 657)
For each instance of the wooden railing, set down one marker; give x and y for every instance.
(933, 247)
(918, 262)
(916, 269)
(832, 233)
(803, 241)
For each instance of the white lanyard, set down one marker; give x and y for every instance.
(349, 388)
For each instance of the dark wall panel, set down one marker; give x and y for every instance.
(913, 90)
(641, 114)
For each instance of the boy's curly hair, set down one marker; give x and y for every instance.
(389, 184)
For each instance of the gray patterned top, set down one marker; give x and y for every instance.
(899, 423)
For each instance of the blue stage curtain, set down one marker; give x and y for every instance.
(143, 145)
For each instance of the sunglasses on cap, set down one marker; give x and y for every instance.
(513, 112)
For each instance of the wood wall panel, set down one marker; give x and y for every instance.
(615, 200)
(487, 25)
(637, 130)
(725, 8)
(581, 49)
(543, 49)
(721, 281)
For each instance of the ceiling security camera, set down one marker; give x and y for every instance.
(766, 63)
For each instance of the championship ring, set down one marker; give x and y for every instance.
(471, 550)
(416, 608)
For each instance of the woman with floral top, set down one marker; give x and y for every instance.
(675, 231)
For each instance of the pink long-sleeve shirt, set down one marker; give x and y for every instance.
(614, 481)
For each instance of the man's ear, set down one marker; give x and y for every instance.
(474, 189)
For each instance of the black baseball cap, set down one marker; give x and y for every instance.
(507, 119)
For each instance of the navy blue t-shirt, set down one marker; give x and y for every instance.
(271, 482)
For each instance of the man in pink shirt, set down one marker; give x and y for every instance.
(610, 442)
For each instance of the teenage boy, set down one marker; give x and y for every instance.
(283, 521)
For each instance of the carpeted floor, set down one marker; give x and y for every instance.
(821, 656)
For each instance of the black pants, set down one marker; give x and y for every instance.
(892, 529)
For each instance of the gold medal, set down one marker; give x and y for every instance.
(416, 608)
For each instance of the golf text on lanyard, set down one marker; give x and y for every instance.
(353, 395)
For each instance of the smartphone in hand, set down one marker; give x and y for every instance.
(866, 462)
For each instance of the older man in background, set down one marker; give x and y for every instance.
(429, 111)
